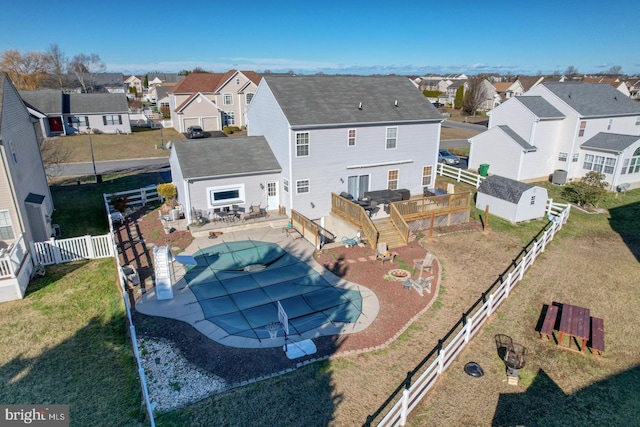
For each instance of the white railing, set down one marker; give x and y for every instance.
(139, 197)
(412, 395)
(460, 175)
(12, 259)
(76, 248)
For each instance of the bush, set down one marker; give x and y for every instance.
(168, 192)
(587, 192)
(230, 129)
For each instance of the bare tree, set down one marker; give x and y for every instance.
(571, 71)
(56, 63)
(475, 95)
(54, 155)
(616, 70)
(26, 71)
(87, 66)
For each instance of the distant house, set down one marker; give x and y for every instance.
(506, 90)
(212, 100)
(573, 127)
(512, 200)
(69, 113)
(216, 173)
(134, 82)
(345, 134)
(25, 201)
(160, 78)
(95, 83)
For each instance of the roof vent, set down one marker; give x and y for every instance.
(396, 103)
(360, 106)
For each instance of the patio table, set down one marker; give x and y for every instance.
(383, 196)
(576, 323)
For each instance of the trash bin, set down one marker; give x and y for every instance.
(484, 169)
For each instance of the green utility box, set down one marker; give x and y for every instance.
(483, 170)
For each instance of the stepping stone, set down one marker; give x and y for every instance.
(362, 259)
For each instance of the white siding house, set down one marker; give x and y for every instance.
(345, 134)
(572, 127)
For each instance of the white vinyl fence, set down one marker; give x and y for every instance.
(76, 248)
(446, 354)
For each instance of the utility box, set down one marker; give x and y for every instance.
(559, 177)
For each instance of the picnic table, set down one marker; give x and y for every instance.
(575, 322)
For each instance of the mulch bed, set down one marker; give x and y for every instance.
(398, 307)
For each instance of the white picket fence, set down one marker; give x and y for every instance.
(411, 396)
(74, 249)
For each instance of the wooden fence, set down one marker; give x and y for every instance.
(409, 393)
(76, 248)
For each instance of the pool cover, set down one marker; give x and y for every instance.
(238, 284)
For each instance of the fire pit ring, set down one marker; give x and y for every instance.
(398, 275)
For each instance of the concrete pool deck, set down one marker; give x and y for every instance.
(185, 307)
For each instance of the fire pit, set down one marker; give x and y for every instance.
(398, 275)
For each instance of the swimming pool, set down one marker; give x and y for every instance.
(237, 284)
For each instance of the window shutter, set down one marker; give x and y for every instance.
(104, 120)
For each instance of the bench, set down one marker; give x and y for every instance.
(546, 332)
(597, 336)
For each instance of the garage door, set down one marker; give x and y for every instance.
(190, 121)
(210, 123)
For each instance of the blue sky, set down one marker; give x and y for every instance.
(362, 37)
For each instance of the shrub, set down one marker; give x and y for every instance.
(588, 191)
(168, 192)
(230, 129)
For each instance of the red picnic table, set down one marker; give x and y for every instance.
(576, 323)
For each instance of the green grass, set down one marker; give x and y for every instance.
(66, 343)
(79, 209)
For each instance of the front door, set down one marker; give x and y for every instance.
(272, 195)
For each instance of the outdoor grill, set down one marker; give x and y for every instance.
(513, 355)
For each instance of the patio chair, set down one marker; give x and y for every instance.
(422, 284)
(424, 264)
(255, 211)
(383, 254)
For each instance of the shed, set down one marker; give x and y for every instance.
(512, 200)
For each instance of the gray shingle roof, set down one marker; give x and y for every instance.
(48, 101)
(216, 157)
(503, 188)
(323, 100)
(517, 138)
(594, 99)
(611, 142)
(540, 107)
(97, 103)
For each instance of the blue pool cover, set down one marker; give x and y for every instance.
(238, 284)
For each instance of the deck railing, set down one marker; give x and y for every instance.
(11, 260)
(356, 215)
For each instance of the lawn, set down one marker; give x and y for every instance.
(66, 343)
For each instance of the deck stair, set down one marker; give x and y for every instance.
(389, 233)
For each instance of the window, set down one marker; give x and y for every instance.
(220, 196)
(637, 121)
(285, 184)
(302, 144)
(352, 137)
(575, 157)
(609, 124)
(229, 118)
(112, 119)
(588, 161)
(583, 125)
(302, 186)
(6, 229)
(80, 120)
(632, 165)
(392, 179)
(609, 165)
(533, 200)
(227, 99)
(13, 152)
(598, 163)
(392, 138)
(271, 189)
(427, 173)
(563, 157)
(249, 97)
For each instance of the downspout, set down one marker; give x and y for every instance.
(187, 196)
(291, 183)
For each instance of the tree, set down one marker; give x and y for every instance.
(475, 95)
(146, 80)
(457, 102)
(169, 193)
(87, 66)
(54, 155)
(588, 191)
(56, 63)
(616, 70)
(571, 71)
(26, 71)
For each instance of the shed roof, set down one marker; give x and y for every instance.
(504, 188)
(218, 157)
(324, 100)
(611, 142)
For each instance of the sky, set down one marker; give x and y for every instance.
(333, 36)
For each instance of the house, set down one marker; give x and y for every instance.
(25, 200)
(512, 200)
(160, 78)
(212, 100)
(95, 83)
(69, 113)
(134, 83)
(345, 134)
(217, 173)
(506, 90)
(574, 127)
